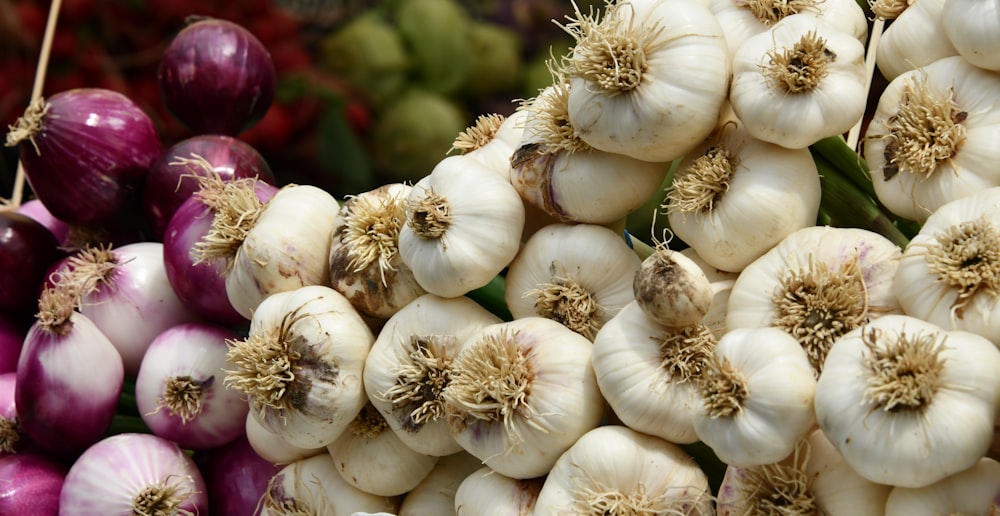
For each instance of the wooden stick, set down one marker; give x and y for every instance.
(36, 92)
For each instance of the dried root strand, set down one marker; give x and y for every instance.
(701, 186)
(567, 302)
(723, 389)
(966, 257)
(479, 134)
(420, 381)
(372, 223)
(801, 67)
(770, 12)
(29, 125)
(905, 369)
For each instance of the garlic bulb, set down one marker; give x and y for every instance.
(742, 19)
(521, 393)
(272, 448)
(578, 275)
(313, 486)
(757, 397)
(933, 137)
(972, 491)
(908, 403)
(814, 479)
(616, 470)
(409, 366)
(370, 457)
(560, 174)
(649, 373)
(279, 246)
(971, 27)
(492, 140)
(801, 81)
(949, 273)
(672, 289)
(914, 39)
(817, 284)
(488, 493)
(735, 197)
(301, 365)
(463, 226)
(364, 255)
(436, 493)
(647, 79)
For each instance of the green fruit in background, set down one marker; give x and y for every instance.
(436, 33)
(497, 65)
(369, 53)
(414, 133)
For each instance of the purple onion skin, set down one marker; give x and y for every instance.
(216, 77)
(106, 478)
(200, 286)
(168, 186)
(67, 387)
(95, 147)
(236, 477)
(27, 250)
(36, 210)
(11, 341)
(31, 484)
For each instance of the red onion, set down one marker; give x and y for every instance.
(31, 484)
(133, 301)
(85, 153)
(180, 391)
(11, 340)
(236, 477)
(27, 250)
(131, 473)
(36, 210)
(167, 185)
(201, 286)
(216, 77)
(69, 378)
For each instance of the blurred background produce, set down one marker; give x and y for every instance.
(368, 92)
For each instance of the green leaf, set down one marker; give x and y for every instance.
(339, 150)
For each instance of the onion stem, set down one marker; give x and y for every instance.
(36, 92)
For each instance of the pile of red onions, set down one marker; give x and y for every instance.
(113, 347)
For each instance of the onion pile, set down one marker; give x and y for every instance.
(489, 339)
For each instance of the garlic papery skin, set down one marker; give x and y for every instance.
(972, 491)
(735, 197)
(672, 289)
(579, 275)
(560, 174)
(492, 140)
(799, 82)
(972, 26)
(741, 19)
(463, 226)
(301, 365)
(933, 137)
(485, 492)
(908, 403)
(435, 494)
(817, 284)
(287, 248)
(364, 255)
(272, 448)
(813, 480)
(756, 397)
(914, 39)
(370, 457)
(648, 79)
(949, 273)
(521, 393)
(409, 366)
(616, 470)
(313, 486)
(649, 373)
(722, 284)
